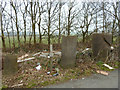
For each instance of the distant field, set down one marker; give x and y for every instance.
(44, 40)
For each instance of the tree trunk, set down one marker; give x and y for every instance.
(13, 34)
(30, 38)
(48, 38)
(34, 33)
(9, 38)
(2, 33)
(69, 23)
(96, 24)
(59, 24)
(40, 36)
(12, 29)
(16, 23)
(49, 24)
(24, 30)
(103, 16)
(83, 37)
(18, 37)
(113, 29)
(119, 32)
(33, 23)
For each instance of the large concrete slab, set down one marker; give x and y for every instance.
(69, 44)
(10, 64)
(101, 44)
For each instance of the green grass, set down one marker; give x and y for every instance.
(44, 41)
(4, 86)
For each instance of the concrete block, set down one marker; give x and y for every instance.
(101, 44)
(69, 44)
(10, 64)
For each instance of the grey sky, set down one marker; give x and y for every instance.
(64, 12)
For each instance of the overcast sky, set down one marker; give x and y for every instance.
(63, 10)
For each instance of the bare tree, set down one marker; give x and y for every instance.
(41, 10)
(33, 17)
(24, 13)
(119, 31)
(2, 31)
(60, 5)
(50, 19)
(114, 26)
(12, 26)
(15, 7)
(6, 24)
(87, 19)
(71, 15)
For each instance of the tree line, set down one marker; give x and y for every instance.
(55, 18)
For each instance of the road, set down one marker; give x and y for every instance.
(93, 81)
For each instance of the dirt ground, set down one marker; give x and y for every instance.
(29, 77)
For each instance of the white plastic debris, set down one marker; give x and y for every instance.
(108, 66)
(56, 74)
(112, 47)
(48, 73)
(83, 78)
(87, 49)
(26, 59)
(38, 67)
(21, 81)
(48, 56)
